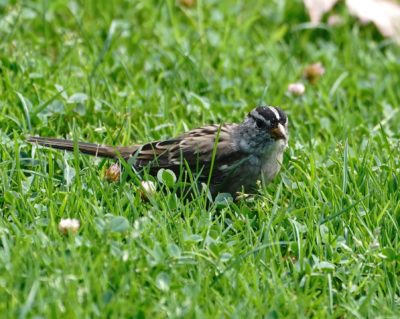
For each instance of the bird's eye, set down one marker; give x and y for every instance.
(275, 121)
(260, 124)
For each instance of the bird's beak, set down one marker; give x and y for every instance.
(279, 132)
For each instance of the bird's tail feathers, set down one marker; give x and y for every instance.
(86, 148)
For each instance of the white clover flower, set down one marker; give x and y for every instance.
(148, 189)
(113, 173)
(297, 89)
(313, 72)
(67, 225)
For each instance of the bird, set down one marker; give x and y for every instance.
(230, 158)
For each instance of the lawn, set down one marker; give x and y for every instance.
(321, 241)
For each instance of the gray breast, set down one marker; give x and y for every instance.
(243, 177)
(272, 160)
(262, 162)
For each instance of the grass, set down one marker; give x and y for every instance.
(321, 241)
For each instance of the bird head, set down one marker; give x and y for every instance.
(269, 121)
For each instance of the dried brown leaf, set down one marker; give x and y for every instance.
(384, 14)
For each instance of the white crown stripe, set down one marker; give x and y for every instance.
(274, 110)
(258, 116)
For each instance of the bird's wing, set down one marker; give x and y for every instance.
(194, 149)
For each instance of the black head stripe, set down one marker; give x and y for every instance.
(282, 115)
(271, 114)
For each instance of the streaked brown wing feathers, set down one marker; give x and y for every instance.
(194, 147)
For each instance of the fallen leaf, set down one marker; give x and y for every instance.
(384, 14)
(317, 8)
(313, 72)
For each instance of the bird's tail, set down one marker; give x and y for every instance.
(86, 148)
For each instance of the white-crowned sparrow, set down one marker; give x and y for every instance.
(238, 155)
